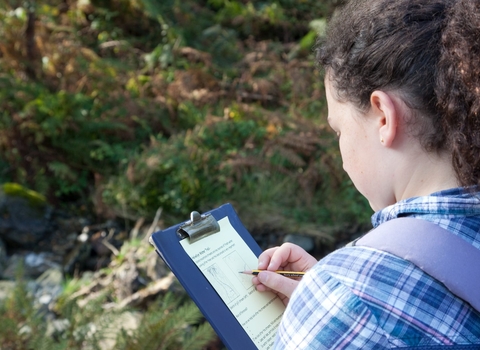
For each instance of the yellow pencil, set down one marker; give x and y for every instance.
(283, 273)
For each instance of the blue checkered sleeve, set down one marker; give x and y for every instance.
(363, 298)
(325, 314)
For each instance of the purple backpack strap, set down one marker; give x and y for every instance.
(446, 257)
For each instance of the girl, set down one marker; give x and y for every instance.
(402, 81)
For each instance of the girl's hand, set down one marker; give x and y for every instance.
(287, 257)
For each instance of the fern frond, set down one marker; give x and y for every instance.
(304, 143)
(288, 154)
(169, 323)
(199, 337)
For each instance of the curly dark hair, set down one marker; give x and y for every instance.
(428, 51)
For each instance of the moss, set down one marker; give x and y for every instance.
(16, 190)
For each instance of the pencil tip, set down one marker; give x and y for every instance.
(246, 272)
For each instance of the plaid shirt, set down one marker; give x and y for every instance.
(363, 298)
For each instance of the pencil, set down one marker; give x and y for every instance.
(283, 273)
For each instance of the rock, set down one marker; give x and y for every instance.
(62, 238)
(33, 264)
(25, 216)
(48, 288)
(305, 242)
(12, 267)
(3, 257)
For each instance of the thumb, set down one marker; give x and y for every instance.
(278, 283)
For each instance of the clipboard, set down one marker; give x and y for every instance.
(168, 247)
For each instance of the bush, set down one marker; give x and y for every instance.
(145, 106)
(171, 322)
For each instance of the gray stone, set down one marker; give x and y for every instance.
(48, 288)
(33, 265)
(22, 222)
(3, 257)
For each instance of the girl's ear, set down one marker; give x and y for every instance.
(384, 108)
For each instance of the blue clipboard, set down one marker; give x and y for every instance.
(167, 245)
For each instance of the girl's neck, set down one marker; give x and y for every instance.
(428, 173)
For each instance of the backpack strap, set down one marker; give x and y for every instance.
(446, 257)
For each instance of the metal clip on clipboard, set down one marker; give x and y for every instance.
(198, 227)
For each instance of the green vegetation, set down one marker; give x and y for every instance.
(136, 105)
(116, 108)
(13, 189)
(88, 325)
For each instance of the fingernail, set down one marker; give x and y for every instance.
(261, 264)
(262, 277)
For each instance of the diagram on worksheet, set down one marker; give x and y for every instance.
(221, 283)
(236, 264)
(221, 257)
